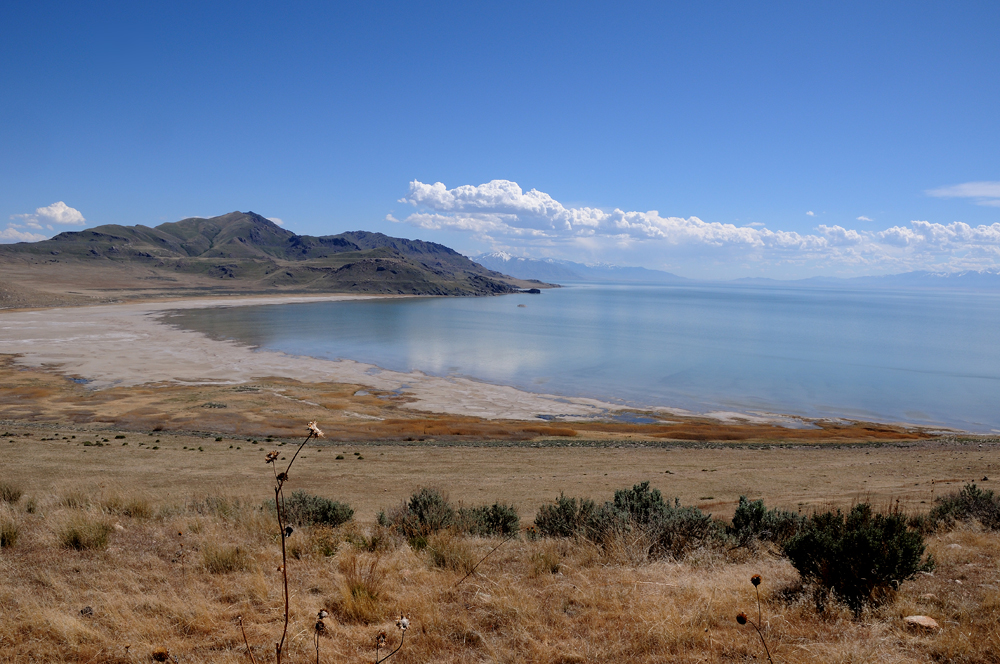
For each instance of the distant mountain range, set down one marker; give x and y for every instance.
(240, 252)
(988, 279)
(550, 269)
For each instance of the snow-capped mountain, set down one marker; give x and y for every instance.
(551, 269)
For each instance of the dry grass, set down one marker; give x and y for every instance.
(362, 590)
(189, 546)
(9, 531)
(10, 492)
(83, 531)
(541, 601)
(226, 558)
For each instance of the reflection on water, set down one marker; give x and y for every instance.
(926, 358)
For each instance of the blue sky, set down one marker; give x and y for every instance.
(733, 121)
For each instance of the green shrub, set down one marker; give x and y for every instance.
(496, 519)
(670, 529)
(971, 503)
(10, 492)
(303, 509)
(426, 512)
(753, 522)
(567, 517)
(680, 529)
(8, 533)
(223, 558)
(862, 557)
(641, 504)
(85, 533)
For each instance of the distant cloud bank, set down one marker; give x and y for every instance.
(21, 226)
(532, 223)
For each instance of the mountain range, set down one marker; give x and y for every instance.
(240, 252)
(550, 269)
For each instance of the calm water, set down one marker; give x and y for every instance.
(925, 358)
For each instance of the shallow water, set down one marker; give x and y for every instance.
(928, 358)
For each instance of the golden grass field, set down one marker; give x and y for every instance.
(189, 548)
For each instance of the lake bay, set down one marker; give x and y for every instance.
(927, 358)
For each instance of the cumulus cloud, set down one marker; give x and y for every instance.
(864, 218)
(41, 219)
(984, 193)
(504, 215)
(14, 235)
(810, 213)
(57, 213)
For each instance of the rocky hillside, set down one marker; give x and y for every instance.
(240, 252)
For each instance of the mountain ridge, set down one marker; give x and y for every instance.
(239, 252)
(563, 270)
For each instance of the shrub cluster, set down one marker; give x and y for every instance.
(970, 504)
(496, 519)
(428, 511)
(753, 522)
(861, 557)
(669, 528)
(303, 509)
(566, 517)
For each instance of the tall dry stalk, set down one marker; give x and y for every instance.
(284, 531)
(743, 619)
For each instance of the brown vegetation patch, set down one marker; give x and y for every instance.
(276, 407)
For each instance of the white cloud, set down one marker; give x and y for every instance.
(864, 218)
(14, 235)
(810, 213)
(40, 220)
(985, 193)
(57, 213)
(503, 215)
(276, 220)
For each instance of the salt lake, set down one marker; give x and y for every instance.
(927, 358)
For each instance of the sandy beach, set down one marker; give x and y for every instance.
(121, 345)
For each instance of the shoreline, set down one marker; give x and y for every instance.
(131, 344)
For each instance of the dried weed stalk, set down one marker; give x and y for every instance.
(284, 531)
(743, 619)
(380, 639)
